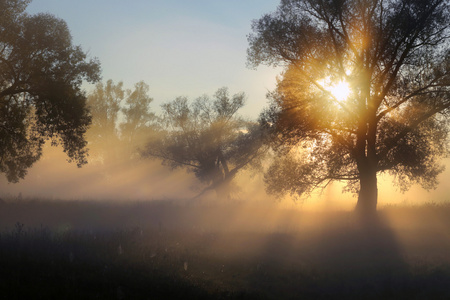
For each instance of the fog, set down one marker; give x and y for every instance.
(136, 214)
(120, 213)
(54, 177)
(138, 179)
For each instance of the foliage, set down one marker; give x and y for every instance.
(120, 120)
(41, 73)
(104, 103)
(394, 56)
(208, 138)
(139, 120)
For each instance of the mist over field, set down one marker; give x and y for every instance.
(133, 229)
(145, 180)
(232, 251)
(292, 149)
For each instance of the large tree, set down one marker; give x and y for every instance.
(40, 97)
(365, 90)
(208, 138)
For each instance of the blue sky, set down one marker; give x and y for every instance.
(178, 47)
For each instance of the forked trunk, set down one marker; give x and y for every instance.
(368, 193)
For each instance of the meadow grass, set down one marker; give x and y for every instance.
(166, 250)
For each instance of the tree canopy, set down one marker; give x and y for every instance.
(139, 120)
(104, 103)
(208, 138)
(121, 121)
(41, 73)
(394, 58)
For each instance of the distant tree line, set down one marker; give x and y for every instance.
(205, 136)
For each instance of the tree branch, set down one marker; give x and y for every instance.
(392, 143)
(164, 157)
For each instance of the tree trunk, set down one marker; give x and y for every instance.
(223, 190)
(368, 192)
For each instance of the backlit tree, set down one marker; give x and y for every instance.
(208, 138)
(365, 90)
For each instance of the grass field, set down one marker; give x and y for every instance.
(164, 250)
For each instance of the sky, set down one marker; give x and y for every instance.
(178, 47)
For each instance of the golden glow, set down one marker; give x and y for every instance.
(340, 91)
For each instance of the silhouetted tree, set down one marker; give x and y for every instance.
(208, 138)
(138, 119)
(394, 56)
(40, 97)
(103, 135)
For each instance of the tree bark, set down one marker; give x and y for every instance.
(368, 192)
(368, 161)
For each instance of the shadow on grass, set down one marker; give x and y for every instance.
(101, 254)
(345, 258)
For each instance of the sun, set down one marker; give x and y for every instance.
(340, 90)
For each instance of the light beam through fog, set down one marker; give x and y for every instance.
(124, 227)
(53, 177)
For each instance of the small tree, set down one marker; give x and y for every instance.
(104, 103)
(365, 90)
(208, 138)
(41, 73)
(138, 118)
